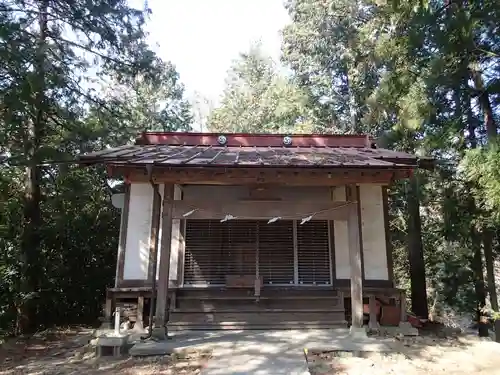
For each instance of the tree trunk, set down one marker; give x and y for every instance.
(416, 252)
(477, 260)
(32, 218)
(490, 267)
(479, 287)
(491, 131)
(484, 100)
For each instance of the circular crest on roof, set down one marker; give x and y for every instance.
(222, 140)
(287, 140)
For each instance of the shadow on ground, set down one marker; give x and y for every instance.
(233, 352)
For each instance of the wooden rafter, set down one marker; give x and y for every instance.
(275, 176)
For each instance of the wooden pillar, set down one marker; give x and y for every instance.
(373, 323)
(356, 273)
(122, 241)
(160, 323)
(108, 308)
(402, 306)
(153, 246)
(139, 322)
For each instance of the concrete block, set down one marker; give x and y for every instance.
(357, 333)
(116, 342)
(111, 340)
(152, 348)
(102, 332)
(373, 326)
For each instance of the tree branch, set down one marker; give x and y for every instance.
(90, 50)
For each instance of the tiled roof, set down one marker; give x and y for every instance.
(191, 150)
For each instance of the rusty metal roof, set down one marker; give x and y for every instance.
(250, 156)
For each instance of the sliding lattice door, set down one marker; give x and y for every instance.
(283, 252)
(313, 253)
(215, 250)
(276, 253)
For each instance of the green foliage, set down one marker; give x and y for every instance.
(75, 77)
(421, 76)
(145, 103)
(482, 166)
(259, 99)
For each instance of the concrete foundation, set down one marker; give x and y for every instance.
(160, 333)
(254, 352)
(152, 348)
(357, 333)
(117, 344)
(406, 329)
(138, 328)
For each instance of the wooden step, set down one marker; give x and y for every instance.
(297, 303)
(260, 311)
(253, 297)
(181, 326)
(267, 292)
(261, 318)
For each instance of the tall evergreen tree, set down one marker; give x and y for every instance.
(54, 53)
(424, 75)
(258, 98)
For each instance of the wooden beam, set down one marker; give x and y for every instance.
(356, 270)
(388, 242)
(122, 241)
(153, 244)
(160, 323)
(139, 322)
(153, 234)
(402, 305)
(353, 194)
(259, 140)
(177, 238)
(373, 323)
(252, 176)
(261, 210)
(108, 308)
(181, 255)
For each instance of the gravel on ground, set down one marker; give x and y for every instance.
(68, 352)
(436, 354)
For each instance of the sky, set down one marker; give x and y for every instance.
(202, 37)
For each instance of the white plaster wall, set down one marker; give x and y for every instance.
(243, 192)
(310, 193)
(373, 232)
(138, 232)
(214, 191)
(342, 264)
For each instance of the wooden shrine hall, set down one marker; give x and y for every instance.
(255, 231)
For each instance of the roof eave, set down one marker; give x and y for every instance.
(262, 166)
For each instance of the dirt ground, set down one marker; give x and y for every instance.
(425, 354)
(68, 352)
